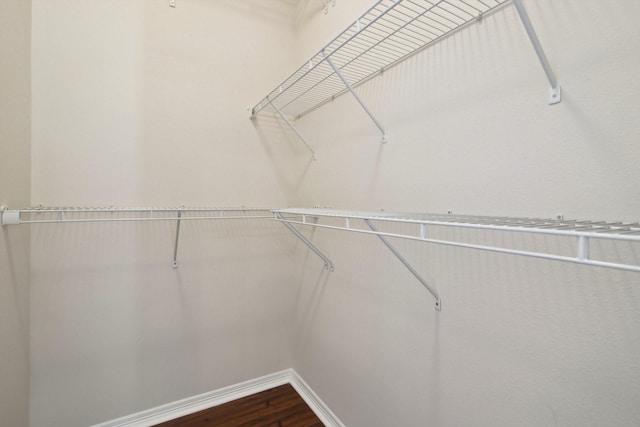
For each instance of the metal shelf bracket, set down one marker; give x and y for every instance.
(406, 264)
(355, 95)
(327, 262)
(175, 248)
(555, 92)
(282, 116)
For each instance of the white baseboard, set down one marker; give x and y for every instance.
(316, 404)
(203, 401)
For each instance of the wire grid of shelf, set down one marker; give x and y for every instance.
(582, 231)
(41, 214)
(388, 32)
(51, 215)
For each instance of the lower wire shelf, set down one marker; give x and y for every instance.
(445, 230)
(577, 236)
(53, 215)
(581, 232)
(42, 214)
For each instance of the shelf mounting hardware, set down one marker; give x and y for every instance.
(277, 110)
(10, 217)
(406, 264)
(353, 92)
(555, 92)
(175, 248)
(327, 262)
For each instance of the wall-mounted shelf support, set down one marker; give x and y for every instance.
(327, 262)
(555, 92)
(10, 217)
(406, 264)
(355, 95)
(277, 110)
(175, 248)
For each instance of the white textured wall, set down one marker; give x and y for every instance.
(116, 330)
(15, 181)
(519, 341)
(136, 103)
(470, 129)
(139, 103)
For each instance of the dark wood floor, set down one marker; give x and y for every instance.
(279, 407)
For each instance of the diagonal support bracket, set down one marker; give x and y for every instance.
(278, 112)
(555, 93)
(355, 95)
(327, 262)
(175, 248)
(406, 264)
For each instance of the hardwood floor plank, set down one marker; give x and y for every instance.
(278, 407)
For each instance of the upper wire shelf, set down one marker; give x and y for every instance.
(388, 32)
(582, 231)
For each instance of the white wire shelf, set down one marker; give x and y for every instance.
(42, 215)
(582, 232)
(52, 215)
(387, 33)
(413, 226)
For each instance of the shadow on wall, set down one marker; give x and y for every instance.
(308, 305)
(276, 137)
(279, 11)
(16, 241)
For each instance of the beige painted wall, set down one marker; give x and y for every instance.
(136, 103)
(139, 103)
(470, 129)
(519, 341)
(15, 182)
